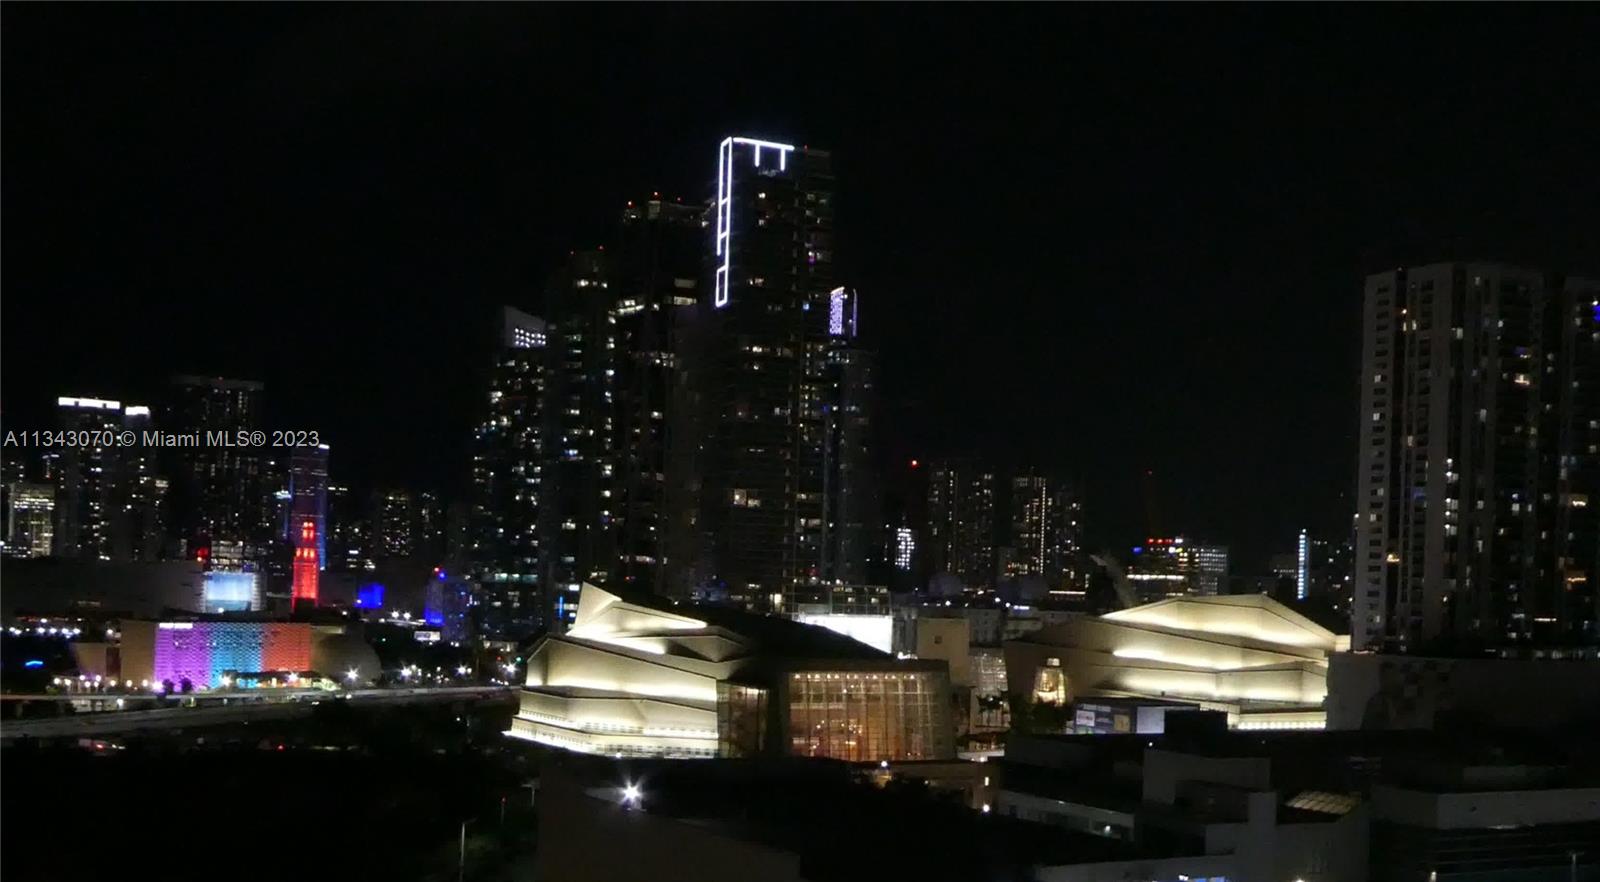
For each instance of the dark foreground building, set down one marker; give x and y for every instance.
(786, 820)
(1472, 804)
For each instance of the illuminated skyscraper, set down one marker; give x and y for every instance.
(1045, 526)
(307, 566)
(218, 491)
(507, 464)
(577, 535)
(756, 356)
(1478, 477)
(308, 496)
(1175, 566)
(961, 522)
(393, 518)
(138, 529)
(87, 478)
(30, 520)
(851, 488)
(1033, 531)
(428, 527)
(347, 532)
(656, 273)
(1207, 567)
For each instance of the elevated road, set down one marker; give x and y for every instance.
(222, 709)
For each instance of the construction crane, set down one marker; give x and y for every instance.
(1152, 511)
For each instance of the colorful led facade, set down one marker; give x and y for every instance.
(304, 587)
(202, 652)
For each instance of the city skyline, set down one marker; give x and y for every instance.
(801, 442)
(1137, 319)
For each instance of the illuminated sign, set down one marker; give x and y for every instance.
(227, 591)
(722, 283)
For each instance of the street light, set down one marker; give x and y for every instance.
(352, 674)
(461, 867)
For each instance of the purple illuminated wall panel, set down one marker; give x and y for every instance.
(203, 651)
(183, 649)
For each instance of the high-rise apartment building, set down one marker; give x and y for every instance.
(349, 532)
(1173, 566)
(429, 527)
(1478, 467)
(852, 492)
(109, 498)
(1045, 521)
(218, 492)
(507, 463)
(30, 520)
(393, 519)
(756, 357)
(1207, 567)
(138, 528)
(961, 522)
(1032, 530)
(87, 478)
(656, 270)
(578, 495)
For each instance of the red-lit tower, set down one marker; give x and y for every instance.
(304, 589)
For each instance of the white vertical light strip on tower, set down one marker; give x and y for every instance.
(1302, 566)
(724, 221)
(722, 283)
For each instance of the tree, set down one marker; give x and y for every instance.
(1038, 717)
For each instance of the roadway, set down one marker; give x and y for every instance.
(228, 708)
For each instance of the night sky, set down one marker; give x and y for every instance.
(1098, 239)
